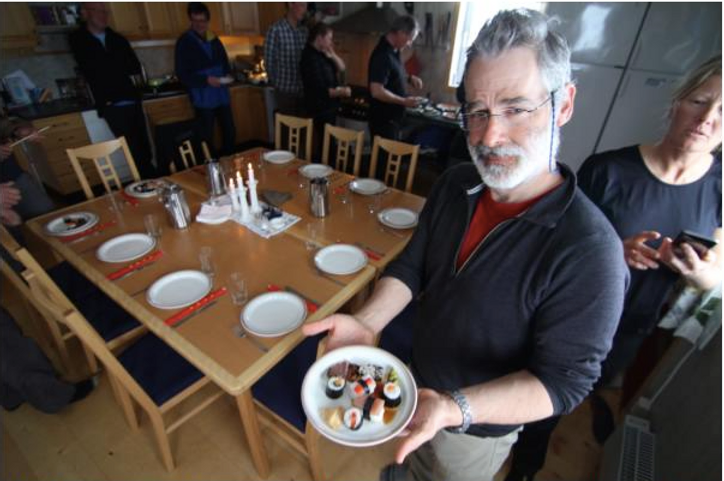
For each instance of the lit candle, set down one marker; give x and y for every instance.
(251, 173)
(239, 179)
(234, 198)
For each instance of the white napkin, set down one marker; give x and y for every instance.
(214, 214)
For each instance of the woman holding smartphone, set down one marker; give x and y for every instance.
(650, 194)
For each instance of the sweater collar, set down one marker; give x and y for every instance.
(548, 210)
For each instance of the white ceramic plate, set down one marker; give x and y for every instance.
(313, 171)
(279, 156)
(144, 189)
(314, 399)
(70, 224)
(367, 186)
(273, 314)
(340, 259)
(226, 80)
(398, 218)
(178, 289)
(125, 248)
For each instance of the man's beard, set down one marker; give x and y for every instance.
(526, 163)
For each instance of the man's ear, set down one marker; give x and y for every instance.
(565, 111)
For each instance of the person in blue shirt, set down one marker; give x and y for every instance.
(203, 67)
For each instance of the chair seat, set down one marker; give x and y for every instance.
(107, 317)
(396, 337)
(280, 389)
(158, 369)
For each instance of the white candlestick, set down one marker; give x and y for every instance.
(255, 207)
(251, 173)
(234, 198)
(239, 179)
(245, 214)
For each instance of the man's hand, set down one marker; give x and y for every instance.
(411, 102)
(213, 81)
(434, 412)
(5, 150)
(344, 91)
(344, 330)
(638, 255)
(415, 81)
(9, 217)
(9, 195)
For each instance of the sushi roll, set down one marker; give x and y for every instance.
(362, 387)
(335, 387)
(392, 394)
(353, 418)
(377, 411)
(367, 407)
(369, 383)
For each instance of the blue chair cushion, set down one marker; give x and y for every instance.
(158, 369)
(396, 337)
(107, 317)
(280, 389)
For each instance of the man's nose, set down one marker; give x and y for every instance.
(492, 134)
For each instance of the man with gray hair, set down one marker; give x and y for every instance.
(520, 278)
(388, 79)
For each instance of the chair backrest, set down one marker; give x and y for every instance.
(344, 139)
(10, 246)
(296, 127)
(100, 154)
(396, 151)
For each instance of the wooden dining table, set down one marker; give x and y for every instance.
(210, 339)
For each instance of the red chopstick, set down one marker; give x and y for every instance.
(372, 255)
(184, 313)
(129, 198)
(135, 265)
(311, 306)
(92, 230)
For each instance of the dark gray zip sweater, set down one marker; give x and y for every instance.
(543, 291)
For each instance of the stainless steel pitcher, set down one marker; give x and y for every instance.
(319, 196)
(173, 197)
(215, 176)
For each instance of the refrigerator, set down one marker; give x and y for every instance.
(627, 59)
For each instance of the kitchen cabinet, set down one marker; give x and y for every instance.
(127, 19)
(249, 109)
(240, 18)
(268, 13)
(167, 110)
(160, 20)
(17, 26)
(66, 131)
(355, 49)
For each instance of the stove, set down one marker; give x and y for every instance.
(356, 107)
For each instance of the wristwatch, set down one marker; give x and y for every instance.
(462, 403)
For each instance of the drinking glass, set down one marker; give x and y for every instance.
(153, 226)
(311, 240)
(374, 203)
(206, 257)
(237, 289)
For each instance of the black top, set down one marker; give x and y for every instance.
(543, 292)
(635, 200)
(107, 69)
(386, 68)
(9, 169)
(319, 74)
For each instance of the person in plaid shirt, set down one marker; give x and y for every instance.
(283, 52)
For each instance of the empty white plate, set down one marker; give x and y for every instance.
(398, 218)
(226, 80)
(313, 171)
(279, 156)
(367, 186)
(125, 247)
(340, 259)
(70, 224)
(144, 189)
(273, 314)
(178, 289)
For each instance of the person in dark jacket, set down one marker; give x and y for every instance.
(203, 67)
(320, 68)
(108, 62)
(520, 278)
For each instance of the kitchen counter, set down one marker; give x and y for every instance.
(52, 108)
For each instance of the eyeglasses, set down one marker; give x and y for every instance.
(511, 117)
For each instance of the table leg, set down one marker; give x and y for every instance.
(249, 419)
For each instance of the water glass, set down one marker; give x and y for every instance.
(311, 240)
(153, 226)
(206, 257)
(374, 203)
(345, 196)
(237, 289)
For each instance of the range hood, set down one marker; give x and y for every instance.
(370, 20)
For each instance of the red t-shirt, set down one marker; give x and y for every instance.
(488, 214)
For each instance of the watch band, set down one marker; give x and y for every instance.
(462, 403)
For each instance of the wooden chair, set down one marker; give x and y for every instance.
(100, 154)
(149, 371)
(117, 327)
(279, 406)
(188, 156)
(395, 153)
(295, 125)
(344, 138)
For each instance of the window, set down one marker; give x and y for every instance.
(471, 18)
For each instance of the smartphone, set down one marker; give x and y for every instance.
(700, 243)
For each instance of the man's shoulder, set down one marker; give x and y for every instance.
(617, 159)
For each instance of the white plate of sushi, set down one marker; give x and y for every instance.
(359, 396)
